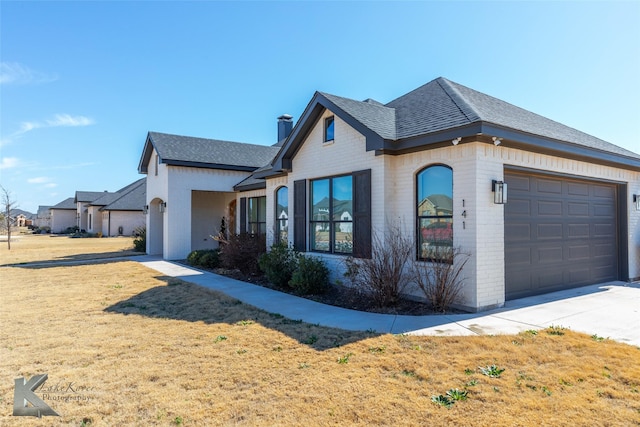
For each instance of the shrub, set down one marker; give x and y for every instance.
(383, 276)
(311, 276)
(206, 258)
(210, 259)
(440, 281)
(140, 242)
(71, 230)
(279, 264)
(242, 251)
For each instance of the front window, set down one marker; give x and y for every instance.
(434, 211)
(282, 215)
(332, 215)
(257, 215)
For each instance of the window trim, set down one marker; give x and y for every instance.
(329, 121)
(330, 220)
(419, 217)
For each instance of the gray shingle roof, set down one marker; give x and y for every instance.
(210, 151)
(89, 196)
(372, 114)
(66, 204)
(442, 104)
(130, 198)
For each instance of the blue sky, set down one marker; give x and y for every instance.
(82, 83)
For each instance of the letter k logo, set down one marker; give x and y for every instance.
(23, 393)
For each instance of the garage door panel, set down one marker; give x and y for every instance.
(521, 207)
(577, 189)
(520, 256)
(550, 231)
(578, 252)
(550, 186)
(549, 208)
(578, 209)
(607, 192)
(601, 210)
(549, 255)
(518, 232)
(559, 233)
(520, 183)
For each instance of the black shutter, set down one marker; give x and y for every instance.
(243, 215)
(362, 214)
(300, 215)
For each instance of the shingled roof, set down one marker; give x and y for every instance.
(68, 203)
(130, 198)
(434, 114)
(205, 153)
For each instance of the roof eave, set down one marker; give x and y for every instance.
(203, 165)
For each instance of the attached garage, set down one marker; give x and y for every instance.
(560, 232)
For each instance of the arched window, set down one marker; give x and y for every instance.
(282, 215)
(434, 209)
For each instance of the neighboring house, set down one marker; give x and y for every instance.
(63, 215)
(435, 161)
(43, 217)
(124, 214)
(88, 216)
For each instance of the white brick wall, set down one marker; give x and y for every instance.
(61, 219)
(174, 185)
(480, 233)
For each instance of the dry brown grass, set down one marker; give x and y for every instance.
(159, 351)
(45, 247)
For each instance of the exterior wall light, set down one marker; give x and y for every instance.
(499, 189)
(162, 207)
(145, 209)
(636, 201)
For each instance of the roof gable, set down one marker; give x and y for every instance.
(130, 198)
(436, 113)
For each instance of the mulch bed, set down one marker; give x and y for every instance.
(340, 296)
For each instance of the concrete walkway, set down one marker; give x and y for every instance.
(610, 310)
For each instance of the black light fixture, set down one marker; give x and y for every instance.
(636, 201)
(499, 189)
(145, 209)
(162, 207)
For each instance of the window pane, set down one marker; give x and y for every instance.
(253, 210)
(434, 234)
(342, 237)
(435, 191)
(342, 199)
(328, 129)
(320, 200)
(262, 209)
(282, 214)
(320, 236)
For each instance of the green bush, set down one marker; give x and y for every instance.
(210, 259)
(140, 242)
(206, 258)
(279, 264)
(311, 276)
(242, 251)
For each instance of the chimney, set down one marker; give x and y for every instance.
(285, 124)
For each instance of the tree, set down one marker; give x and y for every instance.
(7, 204)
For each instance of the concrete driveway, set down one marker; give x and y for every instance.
(609, 310)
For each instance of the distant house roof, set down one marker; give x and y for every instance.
(89, 196)
(43, 211)
(205, 153)
(434, 114)
(69, 203)
(130, 198)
